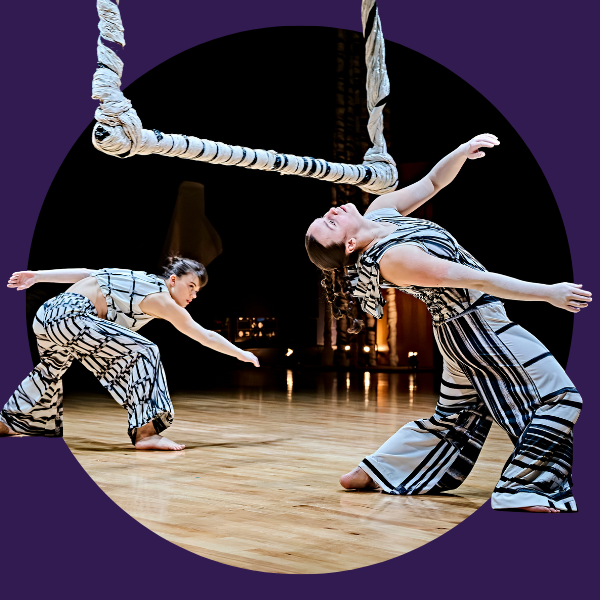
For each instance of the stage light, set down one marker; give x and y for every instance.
(289, 352)
(260, 325)
(346, 348)
(290, 384)
(367, 349)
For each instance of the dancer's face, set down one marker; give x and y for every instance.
(183, 289)
(336, 226)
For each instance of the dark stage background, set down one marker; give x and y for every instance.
(104, 212)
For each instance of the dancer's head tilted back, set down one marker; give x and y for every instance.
(331, 246)
(184, 278)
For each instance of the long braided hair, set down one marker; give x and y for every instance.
(333, 260)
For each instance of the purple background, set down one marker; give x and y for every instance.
(535, 61)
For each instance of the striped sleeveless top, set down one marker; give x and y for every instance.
(123, 290)
(443, 303)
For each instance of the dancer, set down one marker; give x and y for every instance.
(493, 368)
(95, 321)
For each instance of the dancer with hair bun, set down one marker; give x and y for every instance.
(493, 368)
(95, 321)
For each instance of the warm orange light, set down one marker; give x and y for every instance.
(367, 349)
(346, 348)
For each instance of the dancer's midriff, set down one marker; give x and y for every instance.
(89, 288)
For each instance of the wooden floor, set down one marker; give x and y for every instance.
(257, 486)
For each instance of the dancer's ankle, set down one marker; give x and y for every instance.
(145, 431)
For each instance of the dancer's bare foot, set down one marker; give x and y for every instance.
(157, 442)
(537, 508)
(357, 479)
(146, 438)
(6, 430)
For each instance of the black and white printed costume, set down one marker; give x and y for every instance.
(128, 365)
(493, 369)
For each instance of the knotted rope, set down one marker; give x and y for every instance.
(119, 130)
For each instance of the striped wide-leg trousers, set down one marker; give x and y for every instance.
(493, 369)
(128, 365)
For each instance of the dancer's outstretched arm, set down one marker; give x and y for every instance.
(409, 265)
(161, 305)
(411, 197)
(25, 279)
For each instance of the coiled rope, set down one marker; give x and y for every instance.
(119, 130)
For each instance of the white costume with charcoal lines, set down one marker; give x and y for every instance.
(128, 365)
(493, 369)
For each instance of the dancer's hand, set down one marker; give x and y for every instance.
(249, 357)
(21, 280)
(568, 296)
(485, 140)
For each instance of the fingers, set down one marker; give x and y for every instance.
(579, 298)
(476, 155)
(485, 140)
(14, 280)
(576, 298)
(581, 292)
(486, 137)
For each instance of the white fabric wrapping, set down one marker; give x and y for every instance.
(119, 130)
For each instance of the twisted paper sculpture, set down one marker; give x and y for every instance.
(119, 130)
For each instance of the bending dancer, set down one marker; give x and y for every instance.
(493, 369)
(95, 321)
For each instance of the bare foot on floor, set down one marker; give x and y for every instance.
(146, 438)
(157, 442)
(538, 509)
(5, 430)
(357, 479)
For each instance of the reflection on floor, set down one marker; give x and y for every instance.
(257, 486)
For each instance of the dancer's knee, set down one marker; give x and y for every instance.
(151, 352)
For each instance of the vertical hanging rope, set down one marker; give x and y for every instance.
(378, 83)
(119, 130)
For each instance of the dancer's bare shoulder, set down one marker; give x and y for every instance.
(155, 304)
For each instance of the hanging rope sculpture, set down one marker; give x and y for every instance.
(119, 130)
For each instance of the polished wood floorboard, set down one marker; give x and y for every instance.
(257, 485)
